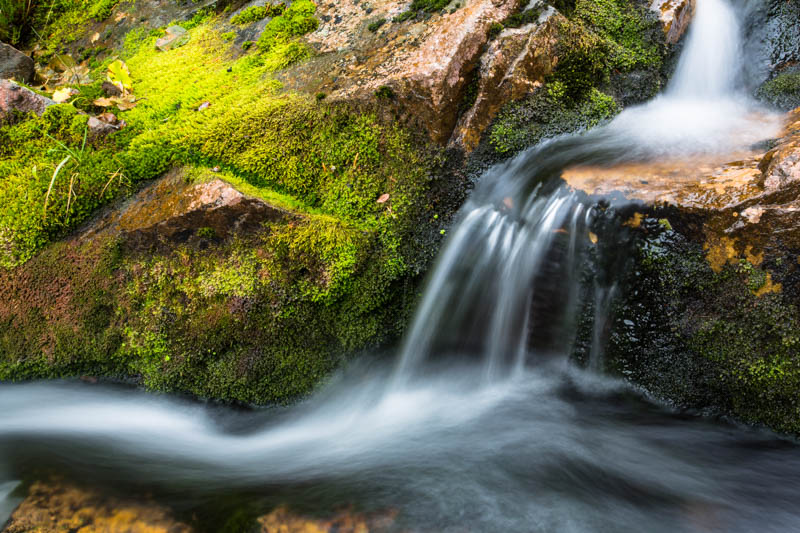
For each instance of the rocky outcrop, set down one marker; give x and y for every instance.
(515, 64)
(713, 287)
(15, 65)
(675, 16)
(17, 99)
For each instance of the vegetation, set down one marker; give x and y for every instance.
(326, 280)
(256, 13)
(782, 91)
(599, 41)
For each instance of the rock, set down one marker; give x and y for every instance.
(424, 63)
(176, 36)
(170, 211)
(516, 63)
(281, 520)
(17, 99)
(675, 16)
(54, 507)
(99, 128)
(714, 279)
(14, 64)
(109, 89)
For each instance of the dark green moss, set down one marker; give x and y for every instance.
(705, 339)
(375, 26)
(783, 91)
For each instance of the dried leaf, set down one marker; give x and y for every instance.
(593, 237)
(95, 37)
(63, 95)
(108, 118)
(204, 105)
(383, 199)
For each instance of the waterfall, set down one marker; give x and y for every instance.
(711, 59)
(461, 433)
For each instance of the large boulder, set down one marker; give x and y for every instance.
(14, 64)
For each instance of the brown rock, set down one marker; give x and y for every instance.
(675, 16)
(515, 64)
(56, 507)
(426, 63)
(17, 99)
(171, 211)
(282, 520)
(751, 198)
(15, 65)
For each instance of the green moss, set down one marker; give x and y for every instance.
(782, 91)
(256, 13)
(419, 7)
(260, 318)
(376, 25)
(298, 19)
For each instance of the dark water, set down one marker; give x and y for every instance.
(555, 449)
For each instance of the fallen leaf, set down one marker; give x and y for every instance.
(95, 37)
(103, 102)
(119, 75)
(63, 95)
(593, 237)
(383, 199)
(120, 16)
(77, 75)
(204, 105)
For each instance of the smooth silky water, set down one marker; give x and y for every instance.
(481, 423)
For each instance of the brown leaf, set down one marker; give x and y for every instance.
(108, 118)
(384, 198)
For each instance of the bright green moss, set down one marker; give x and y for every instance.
(256, 13)
(298, 19)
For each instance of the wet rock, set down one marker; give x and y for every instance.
(14, 64)
(715, 278)
(17, 99)
(56, 507)
(675, 16)
(282, 520)
(176, 36)
(515, 64)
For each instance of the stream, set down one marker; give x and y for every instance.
(479, 423)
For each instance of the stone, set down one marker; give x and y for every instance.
(515, 64)
(100, 128)
(176, 36)
(17, 99)
(425, 63)
(15, 65)
(675, 16)
(170, 211)
(53, 507)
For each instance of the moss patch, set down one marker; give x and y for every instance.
(783, 91)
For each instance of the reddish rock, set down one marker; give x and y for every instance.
(15, 65)
(515, 64)
(675, 16)
(17, 99)
(171, 211)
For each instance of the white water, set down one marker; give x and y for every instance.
(479, 426)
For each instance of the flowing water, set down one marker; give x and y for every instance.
(481, 424)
